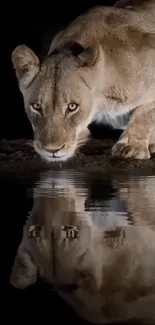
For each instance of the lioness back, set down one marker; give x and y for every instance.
(99, 22)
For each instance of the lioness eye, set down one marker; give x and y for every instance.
(36, 106)
(72, 107)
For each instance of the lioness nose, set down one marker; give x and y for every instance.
(54, 150)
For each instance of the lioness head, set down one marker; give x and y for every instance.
(58, 97)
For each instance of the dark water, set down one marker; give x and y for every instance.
(79, 247)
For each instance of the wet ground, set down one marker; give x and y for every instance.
(19, 157)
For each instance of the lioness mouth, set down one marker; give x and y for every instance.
(51, 157)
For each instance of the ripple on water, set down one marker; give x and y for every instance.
(92, 238)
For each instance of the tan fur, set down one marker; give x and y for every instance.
(104, 62)
(111, 262)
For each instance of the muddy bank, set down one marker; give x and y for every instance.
(17, 157)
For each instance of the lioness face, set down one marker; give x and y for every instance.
(57, 99)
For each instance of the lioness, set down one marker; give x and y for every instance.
(100, 68)
(105, 266)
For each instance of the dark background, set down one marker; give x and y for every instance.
(34, 24)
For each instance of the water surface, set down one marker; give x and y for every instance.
(87, 237)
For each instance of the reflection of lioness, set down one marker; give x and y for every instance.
(106, 269)
(101, 67)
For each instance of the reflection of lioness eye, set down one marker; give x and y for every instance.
(36, 107)
(72, 107)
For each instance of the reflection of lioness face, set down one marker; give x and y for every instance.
(104, 270)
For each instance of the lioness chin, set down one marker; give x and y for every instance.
(100, 68)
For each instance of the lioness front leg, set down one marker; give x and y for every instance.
(152, 142)
(135, 141)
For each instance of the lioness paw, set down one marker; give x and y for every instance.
(127, 150)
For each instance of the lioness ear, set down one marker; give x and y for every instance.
(88, 56)
(25, 63)
(85, 56)
(24, 271)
